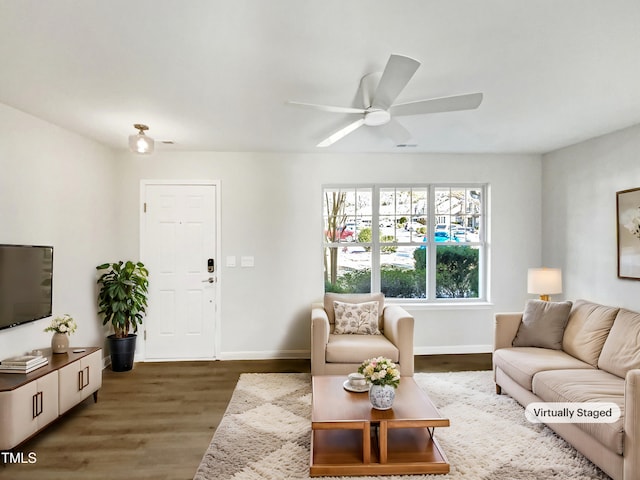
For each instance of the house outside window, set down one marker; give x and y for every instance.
(420, 242)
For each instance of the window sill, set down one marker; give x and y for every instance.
(442, 305)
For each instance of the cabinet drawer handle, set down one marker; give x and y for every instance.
(82, 381)
(36, 404)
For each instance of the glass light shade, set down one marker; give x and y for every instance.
(140, 143)
(544, 281)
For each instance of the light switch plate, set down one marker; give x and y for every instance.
(246, 261)
(231, 261)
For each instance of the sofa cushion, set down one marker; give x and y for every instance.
(587, 329)
(356, 318)
(621, 350)
(329, 298)
(542, 324)
(586, 386)
(522, 363)
(357, 348)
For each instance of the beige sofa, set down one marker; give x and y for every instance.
(599, 361)
(341, 354)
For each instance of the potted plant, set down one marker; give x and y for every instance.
(122, 301)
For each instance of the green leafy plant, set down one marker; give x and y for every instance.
(122, 298)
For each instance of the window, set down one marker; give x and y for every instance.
(410, 242)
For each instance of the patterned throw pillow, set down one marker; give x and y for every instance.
(356, 318)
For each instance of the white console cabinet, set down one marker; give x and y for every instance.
(29, 402)
(79, 379)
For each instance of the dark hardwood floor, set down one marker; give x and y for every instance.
(156, 421)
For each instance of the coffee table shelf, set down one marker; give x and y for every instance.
(348, 437)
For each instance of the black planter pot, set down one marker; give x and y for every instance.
(122, 352)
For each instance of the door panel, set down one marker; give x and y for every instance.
(180, 237)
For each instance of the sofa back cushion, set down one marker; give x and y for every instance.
(329, 298)
(587, 329)
(542, 324)
(621, 350)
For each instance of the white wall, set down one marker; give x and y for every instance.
(579, 204)
(57, 188)
(68, 191)
(271, 209)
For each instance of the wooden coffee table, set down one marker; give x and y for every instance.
(349, 437)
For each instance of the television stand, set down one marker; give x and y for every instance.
(29, 402)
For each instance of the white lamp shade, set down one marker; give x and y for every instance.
(544, 281)
(140, 143)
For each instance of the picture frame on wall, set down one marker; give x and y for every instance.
(628, 229)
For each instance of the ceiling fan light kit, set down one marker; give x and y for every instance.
(374, 117)
(139, 142)
(380, 91)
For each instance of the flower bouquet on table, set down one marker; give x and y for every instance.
(64, 324)
(380, 371)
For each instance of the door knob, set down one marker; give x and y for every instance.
(209, 280)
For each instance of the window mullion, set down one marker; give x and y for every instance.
(431, 246)
(375, 240)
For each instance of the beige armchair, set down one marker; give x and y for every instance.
(340, 354)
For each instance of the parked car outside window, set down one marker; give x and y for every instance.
(341, 234)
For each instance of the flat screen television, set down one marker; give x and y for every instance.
(26, 283)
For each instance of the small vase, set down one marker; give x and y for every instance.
(59, 343)
(382, 396)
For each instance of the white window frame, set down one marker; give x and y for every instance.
(431, 244)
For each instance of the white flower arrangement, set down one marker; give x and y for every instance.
(380, 371)
(631, 219)
(64, 324)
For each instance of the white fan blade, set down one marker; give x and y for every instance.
(436, 105)
(396, 131)
(343, 132)
(327, 108)
(395, 77)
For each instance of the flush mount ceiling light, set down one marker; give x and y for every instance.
(140, 143)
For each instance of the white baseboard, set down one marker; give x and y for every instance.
(452, 349)
(265, 355)
(185, 359)
(306, 354)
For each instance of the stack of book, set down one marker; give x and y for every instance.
(22, 364)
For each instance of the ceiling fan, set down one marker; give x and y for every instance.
(380, 90)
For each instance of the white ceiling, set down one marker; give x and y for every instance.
(215, 75)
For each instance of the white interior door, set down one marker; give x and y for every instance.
(179, 249)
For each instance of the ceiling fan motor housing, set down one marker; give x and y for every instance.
(374, 117)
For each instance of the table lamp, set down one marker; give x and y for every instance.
(544, 282)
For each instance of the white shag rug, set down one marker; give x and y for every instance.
(266, 430)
